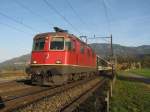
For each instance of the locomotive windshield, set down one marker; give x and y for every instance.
(57, 43)
(38, 44)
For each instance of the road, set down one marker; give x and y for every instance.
(134, 77)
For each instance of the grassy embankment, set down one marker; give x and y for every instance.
(131, 96)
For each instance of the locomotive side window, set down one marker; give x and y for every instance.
(88, 51)
(73, 45)
(68, 44)
(38, 44)
(93, 53)
(82, 49)
(57, 43)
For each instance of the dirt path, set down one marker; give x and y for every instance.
(134, 77)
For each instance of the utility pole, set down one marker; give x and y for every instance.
(111, 50)
(112, 55)
(111, 43)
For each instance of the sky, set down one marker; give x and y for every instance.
(127, 20)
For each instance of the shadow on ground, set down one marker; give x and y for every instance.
(107, 75)
(134, 79)
(2, 105)
(25, 81)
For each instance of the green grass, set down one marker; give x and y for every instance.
(130, 97)
(143, 72)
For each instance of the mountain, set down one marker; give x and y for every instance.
(102, 49)
(15, 63)
(119, 50)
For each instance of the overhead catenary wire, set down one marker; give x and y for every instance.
(62, 16)
(108, 22)
(33, 12)
(19, 22)
(14, 28)
(109, 26)
(75, 13)
(103, 38)
(107, 15)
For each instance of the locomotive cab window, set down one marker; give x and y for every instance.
(57, 43)
(38, 44)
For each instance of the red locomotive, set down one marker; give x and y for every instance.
(59, 56)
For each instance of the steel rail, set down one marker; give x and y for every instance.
(21, 101)
(79, 100)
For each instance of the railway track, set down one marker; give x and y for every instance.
(72, 106)
(19, 101)
(61, 99)
(8, 96)
(15, 88)
(10, 87)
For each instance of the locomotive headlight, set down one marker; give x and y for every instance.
(34, 62)
(58, 62)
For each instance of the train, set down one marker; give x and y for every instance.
(60, 57)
